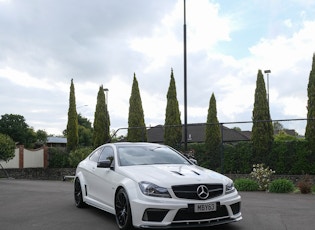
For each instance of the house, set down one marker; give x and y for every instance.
(290, 132)
(196, 134)
(56, 142)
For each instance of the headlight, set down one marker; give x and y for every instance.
(151, 189)
(229, 188)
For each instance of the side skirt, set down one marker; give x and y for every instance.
(99, 205)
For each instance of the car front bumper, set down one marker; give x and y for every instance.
(179, 213)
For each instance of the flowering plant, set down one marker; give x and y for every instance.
(262, 175)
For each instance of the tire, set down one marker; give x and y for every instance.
(78, 198)
(123, 210)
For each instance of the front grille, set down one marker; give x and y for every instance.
(187, 214)
(190, 191)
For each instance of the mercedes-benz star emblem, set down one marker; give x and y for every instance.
(202, 192)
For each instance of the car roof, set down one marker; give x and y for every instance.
(135, 144)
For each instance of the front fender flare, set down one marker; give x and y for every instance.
(83, 185)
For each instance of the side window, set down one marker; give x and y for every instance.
(96, 155)
(107, 154)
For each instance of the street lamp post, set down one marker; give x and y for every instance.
(106, 112)
(78, 107)
(106, 96)
(185, 79)
(267, 72)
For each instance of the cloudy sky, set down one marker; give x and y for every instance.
(45, 43)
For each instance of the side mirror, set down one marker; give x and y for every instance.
(104, 164)
(193, 161)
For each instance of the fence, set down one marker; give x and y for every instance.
(230, 131)
(25, 158)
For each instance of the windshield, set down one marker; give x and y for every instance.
(149, 155)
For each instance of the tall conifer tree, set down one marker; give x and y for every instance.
(101, 120)
(310, 126)
(262, 130)
(136, 126)
(173, 124)
(213, 135)
(72, 126)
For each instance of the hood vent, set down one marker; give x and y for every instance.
(178, 173)
(196, 172)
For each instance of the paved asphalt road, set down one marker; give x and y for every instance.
(47, 205)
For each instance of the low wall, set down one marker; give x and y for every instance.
(38, 173)
(58, 174)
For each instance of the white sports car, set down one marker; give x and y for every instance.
(149, 185)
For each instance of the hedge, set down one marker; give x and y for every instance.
(286, 157)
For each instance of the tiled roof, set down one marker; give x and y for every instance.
(196, 133)
(56, 140)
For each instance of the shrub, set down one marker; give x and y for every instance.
(7, 147)
(58, 158)
(281, 186)
(305, 185)
(313, 189)
(244, 184)
(262, 175)
(78, 155)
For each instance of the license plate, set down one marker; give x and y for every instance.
(209, 207)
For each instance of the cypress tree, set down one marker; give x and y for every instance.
(173, 124)
(72, 126)
(310, 126)
(262, 130)
(136, 126)
(101, 120)
(213, 135)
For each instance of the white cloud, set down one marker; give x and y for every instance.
(284, 52)
(294, 106)
(205, 26)
(204, 29)
(288, 23)
(25, 80)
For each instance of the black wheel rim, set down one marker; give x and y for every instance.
(77, 192)
(121, 209)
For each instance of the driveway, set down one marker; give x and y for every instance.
(37, 205)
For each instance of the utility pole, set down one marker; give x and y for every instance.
(185, 79)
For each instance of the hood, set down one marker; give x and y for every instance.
(168, 175)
